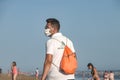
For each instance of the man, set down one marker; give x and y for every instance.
(36, 73)
(54, 52)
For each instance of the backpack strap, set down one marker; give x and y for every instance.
(62, 44)
(61, 41)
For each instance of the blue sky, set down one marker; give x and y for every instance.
(92, 25)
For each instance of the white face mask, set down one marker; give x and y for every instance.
(47, 32)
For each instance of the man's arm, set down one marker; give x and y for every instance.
(47, 65)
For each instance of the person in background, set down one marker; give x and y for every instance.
(111, 75)
(93, 71)
(106, 75)
(0, 71)
(14, 70)
(36, 73)
(54, 52)
(9, 73)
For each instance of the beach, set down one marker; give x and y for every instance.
(78, 76)
(20, 77)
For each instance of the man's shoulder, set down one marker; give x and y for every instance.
(59, 38)
(50, 40)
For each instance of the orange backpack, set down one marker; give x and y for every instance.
(68, 64)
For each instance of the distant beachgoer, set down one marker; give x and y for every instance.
(14, 70)
(0, 71)
(9, 73)
(111, 75)
(94, 72)
(36, 73)
(106, 75)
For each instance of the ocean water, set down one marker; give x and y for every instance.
(79, 78)
(80, 74)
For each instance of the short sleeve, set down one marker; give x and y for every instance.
(50, 47)
(72, 47)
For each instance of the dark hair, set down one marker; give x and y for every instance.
(92, 71)
(110, 71)
(90, 64)
(54, 22)
(14, 63)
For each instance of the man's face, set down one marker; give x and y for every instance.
(51, 29)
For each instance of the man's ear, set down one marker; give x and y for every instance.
(53, 30)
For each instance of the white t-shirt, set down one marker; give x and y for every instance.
(56, 49)
(36, 71)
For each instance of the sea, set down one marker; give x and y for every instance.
(84, 75)
(87, 78)
(79, 78)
